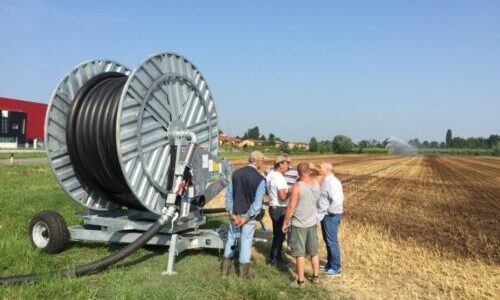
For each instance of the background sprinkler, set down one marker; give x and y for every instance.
(397, 146)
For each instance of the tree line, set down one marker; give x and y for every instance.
(459, 143)
(344, 144)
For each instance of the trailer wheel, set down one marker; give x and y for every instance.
(48, 232)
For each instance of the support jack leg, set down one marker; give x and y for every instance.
(172, 253)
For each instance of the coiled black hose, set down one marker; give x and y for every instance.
(91, 138)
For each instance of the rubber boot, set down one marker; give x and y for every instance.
(225, 267)
(245, 272)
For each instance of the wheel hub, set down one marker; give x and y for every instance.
(40, 234)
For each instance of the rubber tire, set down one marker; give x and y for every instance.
(57, 229)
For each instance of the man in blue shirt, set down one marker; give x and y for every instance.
(243, 202)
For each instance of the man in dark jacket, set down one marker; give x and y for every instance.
(243, 202)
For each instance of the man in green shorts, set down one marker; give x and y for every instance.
(301, 219)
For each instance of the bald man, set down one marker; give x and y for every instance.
(330, 205)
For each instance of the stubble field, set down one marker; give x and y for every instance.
(416, 227)
(426, 227)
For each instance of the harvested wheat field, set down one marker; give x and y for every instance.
(425, 227)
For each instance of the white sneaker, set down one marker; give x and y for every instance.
(332, 273)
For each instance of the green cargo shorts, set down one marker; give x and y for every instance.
(303, 241)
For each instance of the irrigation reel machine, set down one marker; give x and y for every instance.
(138, 149)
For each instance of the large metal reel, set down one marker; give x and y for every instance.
(166, 92)
(55, 131)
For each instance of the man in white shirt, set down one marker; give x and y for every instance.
(278, 191)
(330, 205)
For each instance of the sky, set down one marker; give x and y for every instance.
(365, 69)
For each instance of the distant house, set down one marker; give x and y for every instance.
(291, 145)
(250, 143)
(277, 144)
(225, 139)
(228, 140)
(298, 145)
(246, 143)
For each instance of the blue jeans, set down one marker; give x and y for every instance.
(245, 236)
(330, 229)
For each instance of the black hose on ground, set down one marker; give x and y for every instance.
(19, 279)
(96, 266)
(103, 263)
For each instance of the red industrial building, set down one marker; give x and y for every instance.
(22, 120)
